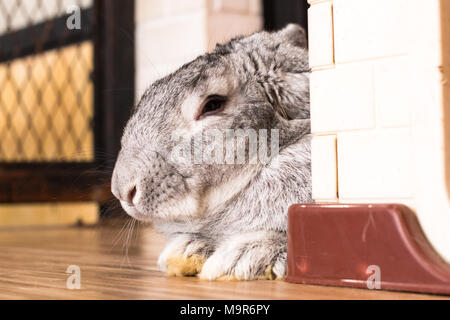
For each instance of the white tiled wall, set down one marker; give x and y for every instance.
(379, 90)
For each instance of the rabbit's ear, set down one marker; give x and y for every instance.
(293, 34)
(288, 101)
(274, 99)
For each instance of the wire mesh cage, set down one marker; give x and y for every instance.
(46, 100)
(62, 103)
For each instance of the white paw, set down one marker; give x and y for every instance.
(279, 267)
(174, 248)
(184, 255)
(246, 257)
(216, 266)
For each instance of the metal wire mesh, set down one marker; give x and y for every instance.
(46, 97)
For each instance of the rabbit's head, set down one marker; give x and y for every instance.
(181, 148)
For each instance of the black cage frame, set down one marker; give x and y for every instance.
(278, 14)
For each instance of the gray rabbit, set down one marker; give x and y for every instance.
(223, 219)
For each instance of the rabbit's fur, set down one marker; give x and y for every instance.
(232, 217)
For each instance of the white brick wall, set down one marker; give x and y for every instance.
(379, 87)
(369, 28)
(392, 85)
(342, 99)
(320, 31)
(375, 164)
(324, 168)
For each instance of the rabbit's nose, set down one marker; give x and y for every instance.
(127, 194)
(131, 194)
(123, 191)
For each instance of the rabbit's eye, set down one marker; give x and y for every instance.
(213, 104)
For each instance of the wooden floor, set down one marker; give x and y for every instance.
(33, 263)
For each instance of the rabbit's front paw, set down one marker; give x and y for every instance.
(257, 255)
(184, 266)
(184, 255)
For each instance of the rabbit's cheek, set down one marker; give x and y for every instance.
(166, 196)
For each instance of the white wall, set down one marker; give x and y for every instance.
(170, 33)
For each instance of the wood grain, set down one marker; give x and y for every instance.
(33, 264)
